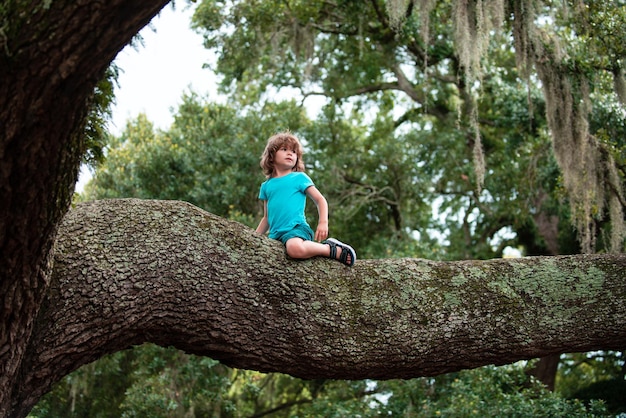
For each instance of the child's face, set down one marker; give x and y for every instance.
(285, 158)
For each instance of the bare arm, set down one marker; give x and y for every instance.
(321, 233)
(264, 224)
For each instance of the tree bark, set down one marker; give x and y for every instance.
(545, 370)
(133, 271)
(52, 54)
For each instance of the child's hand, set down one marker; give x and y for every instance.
(321, 233)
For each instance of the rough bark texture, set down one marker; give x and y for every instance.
(51, 56)
(132, 271)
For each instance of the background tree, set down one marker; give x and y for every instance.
(208, 157)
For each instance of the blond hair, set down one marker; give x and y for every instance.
(277, 141)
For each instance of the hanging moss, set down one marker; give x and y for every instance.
(477, 152)
(616, 204)
(590, 174)
(567, 119)
(474, 23)
(524, 12)
(396, 10)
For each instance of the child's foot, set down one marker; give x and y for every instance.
(340, 251)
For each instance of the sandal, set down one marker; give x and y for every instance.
(345, 251)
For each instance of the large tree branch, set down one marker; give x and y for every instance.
(132, 271)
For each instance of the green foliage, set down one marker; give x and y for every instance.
(125, 175)
(95, 390)
(96, 134)
(209, 157)
(147, 381)
(167, 383)
(612, 392)
(489, 391)
(596, 34)
(603, 374)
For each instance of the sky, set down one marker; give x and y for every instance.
(155, 75)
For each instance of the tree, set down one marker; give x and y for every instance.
(54, 54)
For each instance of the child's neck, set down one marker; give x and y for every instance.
(281, 173)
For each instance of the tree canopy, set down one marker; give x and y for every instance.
(440, 58)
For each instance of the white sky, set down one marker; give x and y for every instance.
(155, 75)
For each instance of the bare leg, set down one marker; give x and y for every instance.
(301, 249)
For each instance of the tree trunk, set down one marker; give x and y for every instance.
(545, 370)
(133, 271)
(51, 56)
(546, 227)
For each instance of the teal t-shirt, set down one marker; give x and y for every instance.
(286, 200)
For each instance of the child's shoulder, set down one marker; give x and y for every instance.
(301, 174)
(301, 177)
(294, 175)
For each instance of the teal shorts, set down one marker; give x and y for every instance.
(303, 231)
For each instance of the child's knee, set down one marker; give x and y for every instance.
(295, 248)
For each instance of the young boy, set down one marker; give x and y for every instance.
(284, 198)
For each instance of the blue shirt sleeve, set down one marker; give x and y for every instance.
(305, 183)
(262, 192)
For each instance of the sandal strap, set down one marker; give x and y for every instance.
(344, 255)
(333, 249)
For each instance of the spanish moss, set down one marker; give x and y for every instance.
(589, 172)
